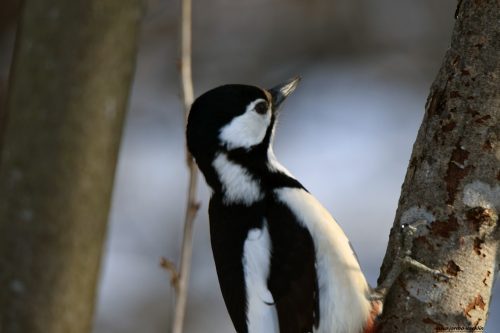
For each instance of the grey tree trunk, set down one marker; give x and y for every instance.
(71, 76)
(453, 182)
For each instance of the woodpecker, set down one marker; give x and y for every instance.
(283, 263)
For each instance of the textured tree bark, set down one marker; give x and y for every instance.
(71, 76)
(453, 183)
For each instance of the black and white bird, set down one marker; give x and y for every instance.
(283, 263)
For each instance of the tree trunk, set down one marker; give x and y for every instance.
(453, 183)
(70, 81)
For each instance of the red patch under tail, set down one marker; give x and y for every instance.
(371, 324)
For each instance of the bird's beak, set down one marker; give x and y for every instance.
(280, 92)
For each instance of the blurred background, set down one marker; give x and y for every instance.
(346, 133)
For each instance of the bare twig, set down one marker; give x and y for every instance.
(186, 75)
(192, 204)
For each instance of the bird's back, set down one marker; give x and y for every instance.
(294, 269)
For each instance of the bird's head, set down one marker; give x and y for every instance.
(234, 118)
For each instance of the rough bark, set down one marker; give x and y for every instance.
(453, 183)
(71, 76)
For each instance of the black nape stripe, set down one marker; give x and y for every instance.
(259, 169)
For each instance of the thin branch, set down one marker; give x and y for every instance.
(192, 204)
(186, 75)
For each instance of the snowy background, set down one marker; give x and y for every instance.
(346, 134)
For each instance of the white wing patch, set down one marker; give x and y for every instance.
(343, 290)
(261, 312)
(237, 184)
(246, 130)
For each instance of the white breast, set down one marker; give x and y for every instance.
(261, 312)
(273, 163)
(343, 290)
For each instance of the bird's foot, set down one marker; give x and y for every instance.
(409, 262)
(404, 261)
(408, 231)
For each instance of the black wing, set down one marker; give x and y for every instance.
(229, 226)
(292, 281)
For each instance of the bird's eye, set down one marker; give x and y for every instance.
(261, 108)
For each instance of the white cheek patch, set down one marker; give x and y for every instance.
(247, 129)
(238, 186)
